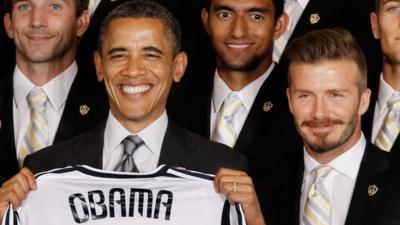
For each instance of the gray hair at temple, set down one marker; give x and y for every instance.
(327, 44)
(144, 9)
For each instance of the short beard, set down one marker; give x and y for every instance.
(322, 145)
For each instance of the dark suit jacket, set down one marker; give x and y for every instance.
(180, 148)
(268, 136)
(283, 191)
(83, 91)
(368, 122)
(351, 15)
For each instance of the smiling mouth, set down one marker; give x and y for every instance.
(238, 47)
(136, 89)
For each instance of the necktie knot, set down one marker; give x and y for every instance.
(37, 99)
(231, 105)
(321, 172)
(131, 144)
(394, 103)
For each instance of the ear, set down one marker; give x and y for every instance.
(364, 101)
(288, 96)
(82, 23)
(8, 25)
(281, 25)
(204, 18)
(98, 64)
(374, 25)
(180, 63)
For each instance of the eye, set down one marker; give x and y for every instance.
(117, 57)
(256, 17)
(336, 94)
(152, 56)
(224, 14)
(55, 7)
(395, 9)
(23, 7)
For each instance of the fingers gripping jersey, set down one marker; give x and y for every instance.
(84, 195)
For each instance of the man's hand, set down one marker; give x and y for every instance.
(238, 187)
(16, 189)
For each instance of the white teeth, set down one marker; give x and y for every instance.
(238, 46)
(135, 89)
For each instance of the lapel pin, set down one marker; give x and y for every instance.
(267, 106)
(372, 190)
(84, 109)
(314, 18)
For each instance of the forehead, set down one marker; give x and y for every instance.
(242, 4)
(326, 74)
(137, 30)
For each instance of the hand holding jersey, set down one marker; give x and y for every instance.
(238, 187)
(15, 190)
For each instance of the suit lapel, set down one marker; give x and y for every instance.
(7, 138)
(371, 182)
(89, 151)
(175, 150)
(82, 110)
(269, 100)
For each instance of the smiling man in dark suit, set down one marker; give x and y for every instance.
(139, 57)
(261, 128)
(46, 37)
(341, 178)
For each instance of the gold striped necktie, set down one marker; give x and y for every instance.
(37, 134)
(317, 210)
(391, 126)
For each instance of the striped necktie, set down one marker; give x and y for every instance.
(37, 134)
(391, 126)
(224, 131)
(317, 210)
(130, 145)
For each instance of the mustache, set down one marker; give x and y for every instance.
(321, 122)
(38, 33)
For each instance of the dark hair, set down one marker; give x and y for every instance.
(278, 7)
(80, 5)
(377, 5)
(144, 9)
(327, 44)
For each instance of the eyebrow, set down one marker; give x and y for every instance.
(387, 1)
(252, 9)
(153, 49)
(114, 50)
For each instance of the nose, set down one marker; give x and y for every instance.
(38, 17)
(134, 67)
(239, 27)
(320, 108)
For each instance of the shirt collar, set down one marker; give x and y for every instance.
(302, 3)
(56, 89)
(347, 163)
(247, 95)
(152, 135)
(384, 93)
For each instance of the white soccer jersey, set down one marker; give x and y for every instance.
(84, 195)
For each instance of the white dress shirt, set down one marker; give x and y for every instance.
(339, 183)
(381, 109)
(294, 9)
(56, 90)
(247, 96)
(93, 4)
(147, 156)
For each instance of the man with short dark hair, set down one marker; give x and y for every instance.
(138, 60)
(243, 105)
